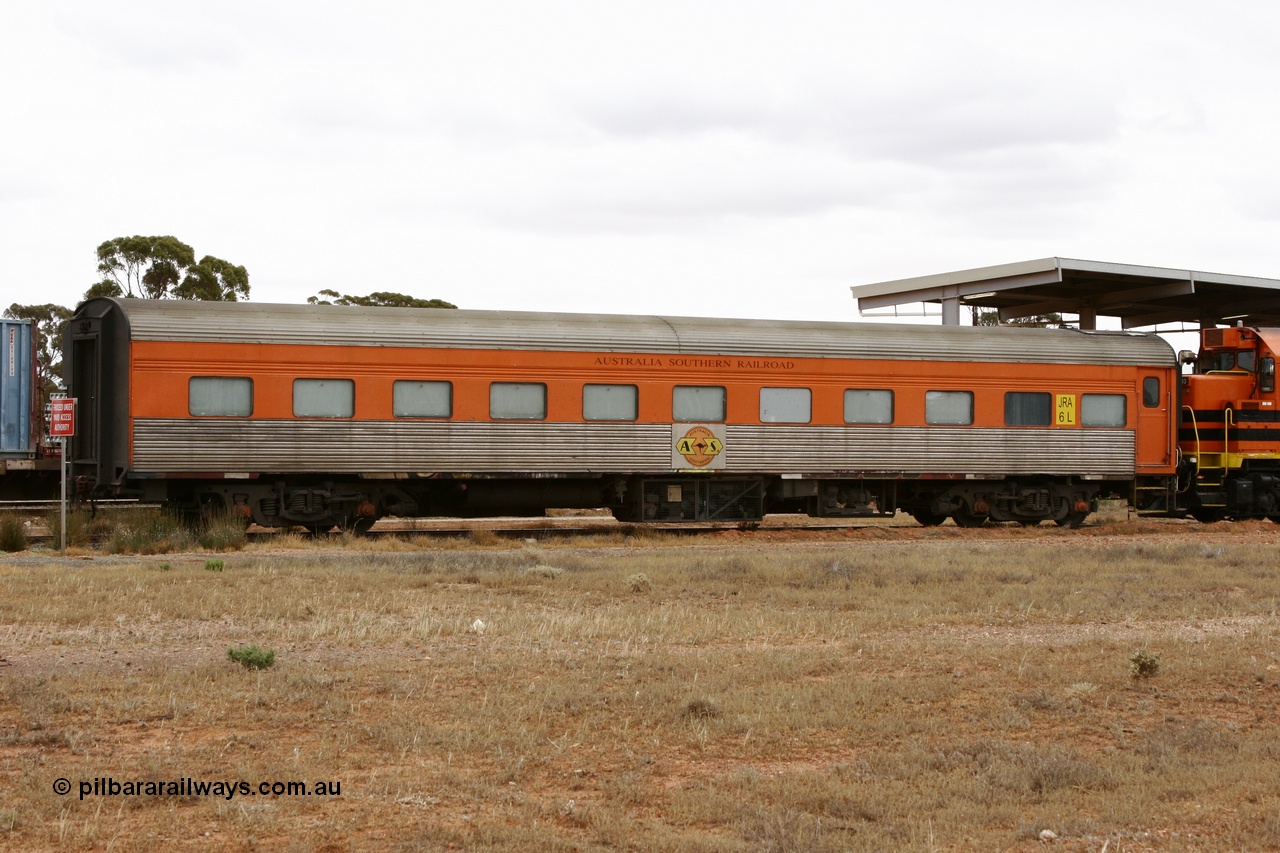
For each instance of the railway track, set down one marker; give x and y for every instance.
(532, 527)
(51, 505)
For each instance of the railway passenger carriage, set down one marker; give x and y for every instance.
(322, 415)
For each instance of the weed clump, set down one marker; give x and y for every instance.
(213, 565)
(639, 582)
(82, 526)
(13, 536)
(1143, 665)
(223, 531)
(147, 531)
(542, 571)
(252, 657)
(701, 709)
(483, 536)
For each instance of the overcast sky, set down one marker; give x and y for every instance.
(749, 159)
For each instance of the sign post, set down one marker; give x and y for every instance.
(62, 417)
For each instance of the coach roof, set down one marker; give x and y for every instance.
(333, 325)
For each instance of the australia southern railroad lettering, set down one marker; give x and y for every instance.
(657, 361)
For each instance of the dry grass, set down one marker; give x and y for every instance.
(950, 691)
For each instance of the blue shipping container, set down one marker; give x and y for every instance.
(17, 388)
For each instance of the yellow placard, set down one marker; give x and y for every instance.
(1066, 409)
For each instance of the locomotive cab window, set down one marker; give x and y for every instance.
(1267, 375)
(1106, 410)
(1023, 408)
(220, 396)
(785, 405)
(610, 402)
(698, 403)
(1226, 360)
(324, 398)
(948, 408)
(519, 401)
(1151, 391)
(422, 399)
(868, 406)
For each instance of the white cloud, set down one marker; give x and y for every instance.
(622, 156)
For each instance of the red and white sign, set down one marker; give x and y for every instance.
(62, 417)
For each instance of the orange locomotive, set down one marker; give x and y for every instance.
(1230, 430)
(323, 415)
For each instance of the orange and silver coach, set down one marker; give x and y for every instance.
(329, 415)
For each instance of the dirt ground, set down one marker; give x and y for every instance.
(613, 701)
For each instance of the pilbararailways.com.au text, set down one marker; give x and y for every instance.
(228, 789)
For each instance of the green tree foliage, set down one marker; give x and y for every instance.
(214, 280)
(50, 320)
(165, 268)
(379, 299)
(992, 318)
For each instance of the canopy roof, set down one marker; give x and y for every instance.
(1140, 296)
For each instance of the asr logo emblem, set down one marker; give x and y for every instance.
(699, 446)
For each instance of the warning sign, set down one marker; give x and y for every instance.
(62, 417)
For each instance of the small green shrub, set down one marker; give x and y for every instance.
(213, 565)
(252, 657)
(1143, 664)
(13, 536)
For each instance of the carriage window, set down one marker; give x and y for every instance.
(526, 401)
(863, 406)
(785, 405)
(610, 403)
(948, 407)
(1102, 410)
(1027, 409)
(422, 399)
(692, 403)
(1151, 391)
(226, 396)
(324, 398)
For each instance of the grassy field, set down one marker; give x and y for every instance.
(896, 689)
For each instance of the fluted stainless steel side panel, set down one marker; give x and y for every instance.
(176, 446)
(329, 325)
(931, 450)
(317, 446)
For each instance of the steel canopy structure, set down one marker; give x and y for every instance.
(1140, 296)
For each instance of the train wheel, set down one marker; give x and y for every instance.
(928, 519)
(1071, 520)
(968, 519)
